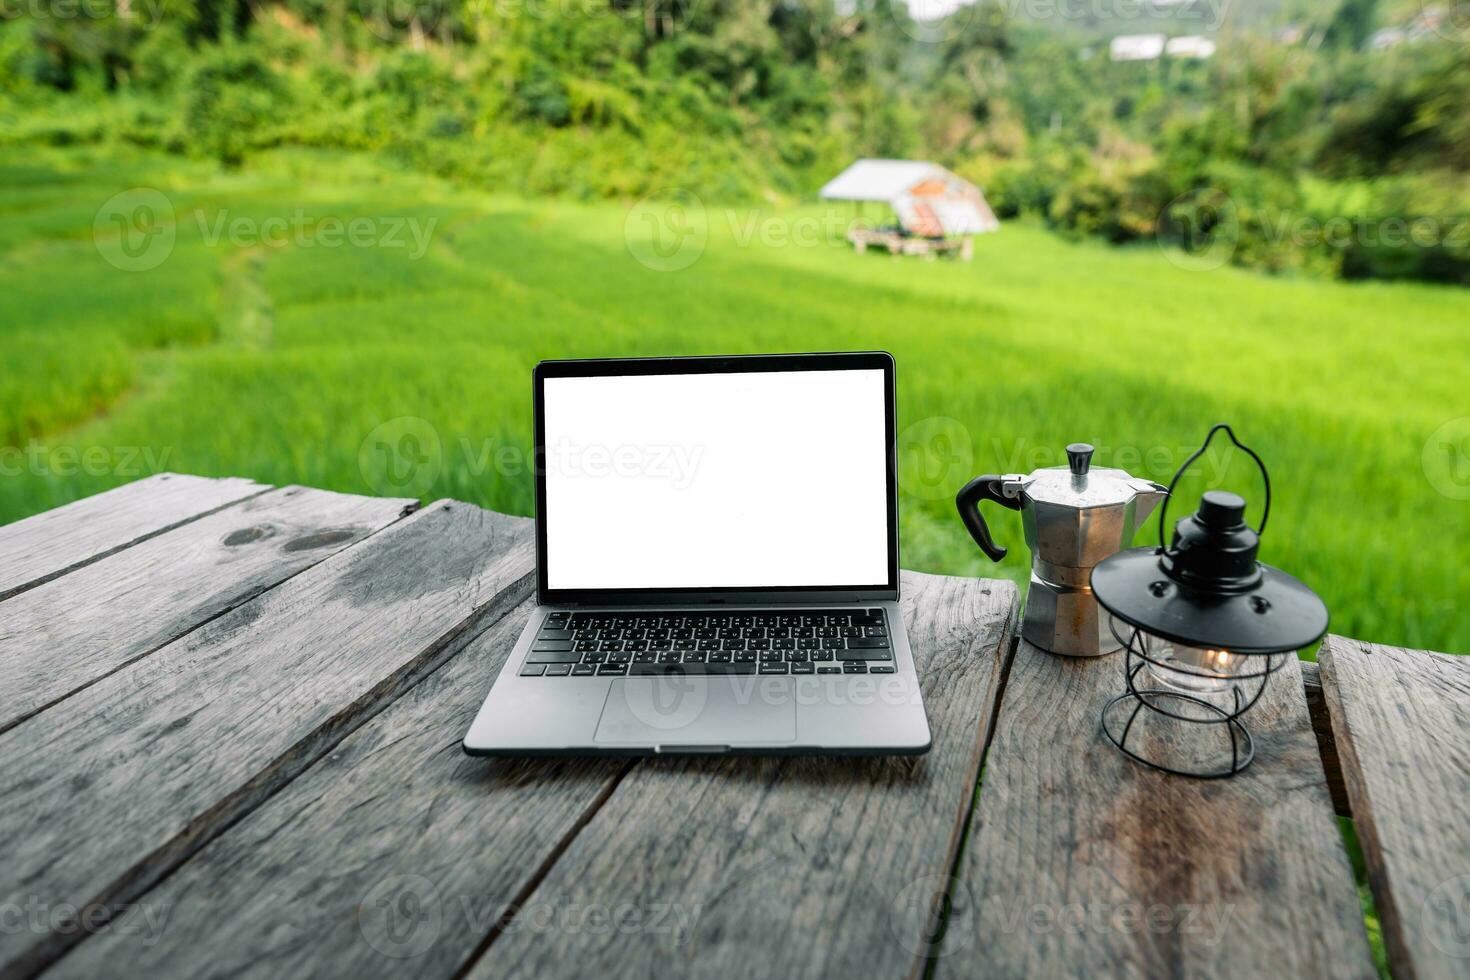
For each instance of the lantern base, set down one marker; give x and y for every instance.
(1119, 724)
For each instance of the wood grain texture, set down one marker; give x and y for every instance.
(1402, 721)
(777, 867)
(47, 545)
(114, 787)
(394, 855)
(1083, 863)
(61, 636)
(1326, 743)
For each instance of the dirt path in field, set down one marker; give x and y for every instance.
(246, 313)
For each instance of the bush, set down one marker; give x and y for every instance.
(1275, 230)
(1020, 187)
(15, 54)
(232, 100)
(1121, 204)
(160, 59)
(412, 81)
(542, 95)
(1413, 229)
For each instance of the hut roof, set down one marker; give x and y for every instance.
(928, 199)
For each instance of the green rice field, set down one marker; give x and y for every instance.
(288, 321)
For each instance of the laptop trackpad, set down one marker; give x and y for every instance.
(675, 712)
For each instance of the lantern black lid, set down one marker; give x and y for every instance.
(1208, 590)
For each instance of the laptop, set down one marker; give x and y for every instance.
(717, 564)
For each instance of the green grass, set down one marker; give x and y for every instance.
(277, 362)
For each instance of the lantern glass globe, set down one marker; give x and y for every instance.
(1194, 670)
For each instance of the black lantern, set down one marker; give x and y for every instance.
(1203, 625)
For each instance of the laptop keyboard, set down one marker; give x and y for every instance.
(807, 641)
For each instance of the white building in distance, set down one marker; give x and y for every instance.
(1136, 47)
(1191, 46)
(1151, 47)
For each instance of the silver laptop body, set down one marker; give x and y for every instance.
(717, 564)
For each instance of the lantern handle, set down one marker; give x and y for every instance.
(1164, 510)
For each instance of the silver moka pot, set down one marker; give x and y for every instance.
(1075, 516)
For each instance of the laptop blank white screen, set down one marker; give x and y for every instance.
(741, 480)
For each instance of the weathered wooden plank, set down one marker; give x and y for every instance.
(61, 636)
(1402, 720)
(42, 547)
(779, 867)
(112, 788)
(394, 855)
(1326, 744)
(1084, 863)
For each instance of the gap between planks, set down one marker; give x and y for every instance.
(283, 778)
(523, 896)
(1321, 724)
(941, 914)
(1326, 740)
(509, 572)
(81, 505)
(1399, 719)
(707, 789)
(290, 509)
(1065, 822)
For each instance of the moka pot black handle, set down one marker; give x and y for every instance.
(968, 501)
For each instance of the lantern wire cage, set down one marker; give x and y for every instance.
(1242, 697)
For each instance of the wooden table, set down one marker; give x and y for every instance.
(231, 741)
